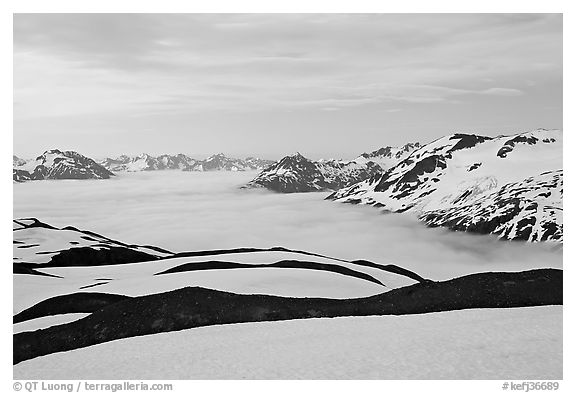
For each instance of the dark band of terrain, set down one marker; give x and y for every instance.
(287, 264)
(192, 307)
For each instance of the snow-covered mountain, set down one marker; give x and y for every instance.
(508, 185)
(217, 162)
(297, 173)
(17, 161)
(56, 164)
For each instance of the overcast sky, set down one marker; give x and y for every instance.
(327, 85)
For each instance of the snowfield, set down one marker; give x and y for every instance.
(137, 279)
(39, 244)
(510, 344)
(46, 322)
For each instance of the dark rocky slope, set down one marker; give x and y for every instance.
(67, 304)
(194, 307)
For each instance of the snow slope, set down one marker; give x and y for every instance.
(528, 210)
(45, 322)
(505, 344)
(388, 156)
(35, 242)
(136, 279)
(458, 171)
(52, 261)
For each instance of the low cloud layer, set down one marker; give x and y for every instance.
(192, 211)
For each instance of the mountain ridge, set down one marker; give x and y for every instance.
(296, 173)
(457, 180)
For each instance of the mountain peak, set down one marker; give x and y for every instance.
(297, 155)
(49, 153)
(216, 156)
(53, 151)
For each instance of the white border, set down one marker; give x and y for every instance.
(262, 6)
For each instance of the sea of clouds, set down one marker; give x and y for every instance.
(185, 211)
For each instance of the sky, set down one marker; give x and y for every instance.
(325, 85)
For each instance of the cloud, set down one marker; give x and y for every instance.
(115, 68)
(502, 91)
(184, 211)
(275, 51)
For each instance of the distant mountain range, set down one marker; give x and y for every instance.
(55, 164)
(217, 162)
(511, 186)
(297, 173)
